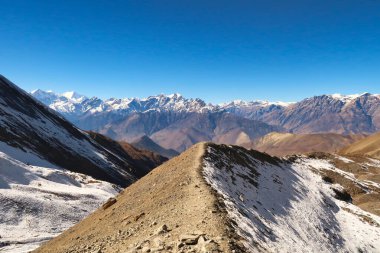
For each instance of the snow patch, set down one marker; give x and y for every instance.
(285, 207)
(38, 203)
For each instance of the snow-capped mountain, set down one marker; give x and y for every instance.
(172, 121)
(71, 103)
(131, 118)
(354, 114)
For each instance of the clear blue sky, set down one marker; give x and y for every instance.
(217, 50)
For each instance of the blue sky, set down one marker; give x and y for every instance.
(217, 50)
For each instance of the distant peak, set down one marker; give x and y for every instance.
(239, 102)
(39, 91)
(174, 95)
(346, 98)
(71, 95)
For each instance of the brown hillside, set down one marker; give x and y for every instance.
(369, 146)
(281, 144)
(169, 210)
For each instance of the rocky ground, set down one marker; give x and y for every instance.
(170, 210)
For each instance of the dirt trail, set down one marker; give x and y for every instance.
(171, 209)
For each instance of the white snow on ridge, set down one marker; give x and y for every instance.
(72, 103)
(291, 210)
(38, 203)
(346, 98)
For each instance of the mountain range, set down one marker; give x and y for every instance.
(191, 120)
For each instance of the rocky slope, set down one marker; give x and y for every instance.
(281, 144)
(356, 114)
(170, 206)
(218, 198)
(145, 143)
(32, 127)
(53, 174)
(369, 146)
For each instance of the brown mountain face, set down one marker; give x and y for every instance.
(369, 146)
(281, 144)
(145, 143)
(323, 114)
(216, 127)
(181, 130)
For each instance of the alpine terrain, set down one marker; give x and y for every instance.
(369, 147)
(280, 144)
(219, 198)
(175, 122)
(53, 174)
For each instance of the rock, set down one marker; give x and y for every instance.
(189, 239)
(145, 250)
(109, 203)
(162, 229)
(139, 216)
(205, 245)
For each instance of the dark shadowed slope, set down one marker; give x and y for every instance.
(143, 160)
(148, 144)
(34, 128)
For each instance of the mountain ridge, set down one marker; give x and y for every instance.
(215, 198)
(335, 113)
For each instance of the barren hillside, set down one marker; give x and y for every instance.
(369, 146)
(252, 202)
(171, 206)
(281, 144)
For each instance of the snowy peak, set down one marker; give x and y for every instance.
(46, 97)
(72, 103)
(72, 95)
(257, 103)
(334, 113)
